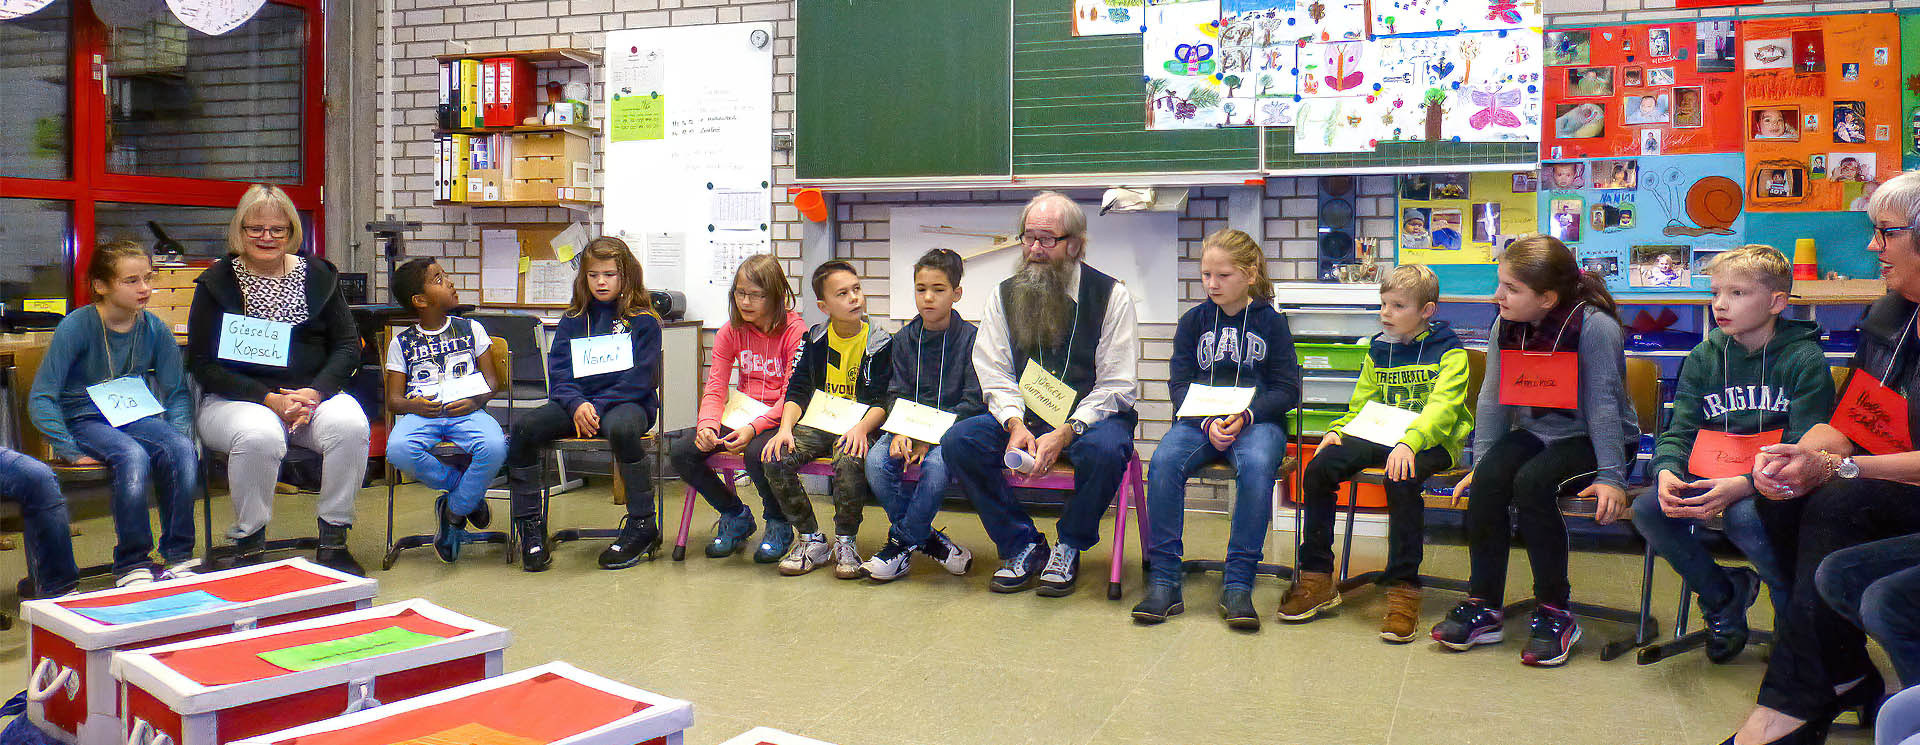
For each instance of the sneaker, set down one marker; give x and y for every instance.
(1403, 613)
(1057, 580)
(1310, 593)
(1236, 605)
(1469, 624)
(953, 557)
(890, 563)
(1550, 641)
(774, 543)
(1020, 569)
(481, 517)
(447, 539)
(846, 558)
(533, 543)
(134, 577)
(729, 532)
(1162, 602)
(333, 553)
(807, 554)
(1727, 627)
(639, 537)
(181, 569)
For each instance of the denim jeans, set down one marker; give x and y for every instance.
(1877, 587)
(410, 446)
(976, 448)
(910, 514)
(32, 485)
(1255, 455)
(145, 451)
(1674, 539)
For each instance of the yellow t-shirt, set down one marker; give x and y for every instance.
(843, 360)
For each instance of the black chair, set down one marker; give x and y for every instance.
(451, 454)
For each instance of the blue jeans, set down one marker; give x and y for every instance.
(976, 449)
(410, 449)
(911, 515)
(142, 451)
(1255, 454)
(1674, 539)
(1877, 587)
(33, 486)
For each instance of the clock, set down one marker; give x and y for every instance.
(758, 38)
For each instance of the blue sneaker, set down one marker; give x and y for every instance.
(775, 542)
(729, 533)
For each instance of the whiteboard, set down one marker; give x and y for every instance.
(689, 154)
(1140, 249)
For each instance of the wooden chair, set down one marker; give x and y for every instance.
(502, 357)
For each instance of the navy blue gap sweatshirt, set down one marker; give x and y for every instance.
(1252, 348)
(935, 368)
(607, 390)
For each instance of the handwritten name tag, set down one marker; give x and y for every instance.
(254, 340)
(1717, 455)
(918, 421)
(598, 355)
(465, 386)
(829, 413)
(124, 400)
(1046, 396)
(1873, 416)
(1550, 379)
(741, 410)
(1379, 423)
(1208, 400)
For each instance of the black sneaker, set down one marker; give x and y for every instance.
(333, 552)
(1062, 571)
(481, 517)
(1473, 622)
(249, 550)
(1727, 627)
(533, 543)
(1021, 569)
(638, 537)
(446, 540)
(1162, 602)
(1236, 605)
(1552, 637)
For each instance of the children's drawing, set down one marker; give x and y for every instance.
(1426, 16)
(1274, 112)
(1107, 17)
(1334, 125)
(1418, 63)
(1338, 69)
(1182, 59)
(1302, 21)
(1258, 48)
(1184, 103)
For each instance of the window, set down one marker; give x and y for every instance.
(200, 232)
(36, 237)
(35, 131)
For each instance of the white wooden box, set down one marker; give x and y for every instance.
(771, 736)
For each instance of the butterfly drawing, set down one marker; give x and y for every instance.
(1345, 57)
(1495, 107)
(1504, 12)
(1519, 55)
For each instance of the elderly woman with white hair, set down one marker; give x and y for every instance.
(272, 343)
(1843, 507)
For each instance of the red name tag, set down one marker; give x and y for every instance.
(1873, 416)
(1549, 379)
(1717, 455)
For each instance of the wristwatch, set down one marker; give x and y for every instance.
(1079, 427)
(1847, 468)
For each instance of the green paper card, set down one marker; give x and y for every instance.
(324, 654)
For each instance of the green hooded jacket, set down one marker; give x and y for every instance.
(1784, 386)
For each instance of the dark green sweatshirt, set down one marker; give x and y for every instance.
(1724, 387)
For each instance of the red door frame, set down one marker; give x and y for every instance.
(90, 182)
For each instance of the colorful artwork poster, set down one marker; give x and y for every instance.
(1340, 69)
(1336, 125)
(1302, 21)
(1259, 60)
(1825, 87)
(1669, 89)
(1182, 59)
(1677, 206)
(1499, 95)
(1460, 218)
(1909, 134)
(1418, 75)
(1108, 17)
(1428, 16)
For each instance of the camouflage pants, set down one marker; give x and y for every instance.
(850, 490)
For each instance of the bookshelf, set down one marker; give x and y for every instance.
(518, 165)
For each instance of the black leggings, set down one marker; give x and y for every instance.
(624, 426)
(1522, 473)
(690, 463)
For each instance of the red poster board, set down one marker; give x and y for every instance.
(1686, 74)
(1822, 109)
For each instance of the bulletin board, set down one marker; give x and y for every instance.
(1909, 91)
(1822, 105)
(1642, 90)
(1646, 224)
(1458, 218)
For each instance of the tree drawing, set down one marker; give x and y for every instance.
(1203, 97)
(1233, 83)
(1469, 49)
(1155, 87)
(1435, 103)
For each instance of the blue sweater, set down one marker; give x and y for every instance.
(75, 359)
(606, 390)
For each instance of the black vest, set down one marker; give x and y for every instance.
(1881, 332)
(1077, 356)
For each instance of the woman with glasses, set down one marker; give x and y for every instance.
(272, 345)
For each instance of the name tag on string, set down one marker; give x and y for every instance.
(1873, 416)
(1379, 423)
(1046, 396)
(465, 386)
(124, 400)
(254, 340)
(1208, 400)
(1545, 379)
(829, 413)
(741, 410)
(1718, 455)
(599, 355)
(918, 421)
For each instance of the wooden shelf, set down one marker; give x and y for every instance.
(575, 56)
(571, 204)
(524, 128)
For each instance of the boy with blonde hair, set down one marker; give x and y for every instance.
(1757, 379)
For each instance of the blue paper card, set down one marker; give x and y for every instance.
(255, 340)
(155, 608)
(124, 400)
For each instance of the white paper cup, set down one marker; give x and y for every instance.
(1018, 460)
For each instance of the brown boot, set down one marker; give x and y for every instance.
(1311, 593)
(1403, 612)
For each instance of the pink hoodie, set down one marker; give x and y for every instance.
(764, 361)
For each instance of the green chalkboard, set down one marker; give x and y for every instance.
(893, 89)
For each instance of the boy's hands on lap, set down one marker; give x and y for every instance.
(1222, 431)
(854, 442)
(461, 407)
(778, 446)
(1400, 463)
(1330, 439)
(1719, 494)
(918, 453)
(899, 447)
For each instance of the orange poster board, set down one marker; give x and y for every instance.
(1662, 89)
(1822, 109)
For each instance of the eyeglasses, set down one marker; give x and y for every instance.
(1043, 240)
(1886, 234)
(256, 231)
(748, 297)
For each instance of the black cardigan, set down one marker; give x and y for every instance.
(324, 354)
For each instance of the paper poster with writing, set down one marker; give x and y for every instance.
(1458, 218)
(1646, 224)
(1107, 17)
(1182, 61)
(1302, 21)
(1498, 99)
(1822, 109)
(1678, 84)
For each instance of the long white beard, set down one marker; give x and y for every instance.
(1038, 309)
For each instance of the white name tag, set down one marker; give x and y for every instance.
(829, 413)
(1208, 400)
(124, 400)
(1046, 396)
(918, 421)
(598, 355)
(465, 386)
(254, 340)
(1380, 424)
(741, 410)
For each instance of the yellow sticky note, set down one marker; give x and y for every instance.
(564, 251)
(1046, 395)
(44, 304)
(525, 264)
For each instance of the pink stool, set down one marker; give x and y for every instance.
(1060, 478)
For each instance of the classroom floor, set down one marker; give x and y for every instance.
(939, 660)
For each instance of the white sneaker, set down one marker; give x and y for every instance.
(1057, 579)
(891, 563)
(135, 578)
(809, 551)
(181, 570)
(957, 561)
(846, 558)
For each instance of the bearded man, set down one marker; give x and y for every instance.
(1056, 355)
